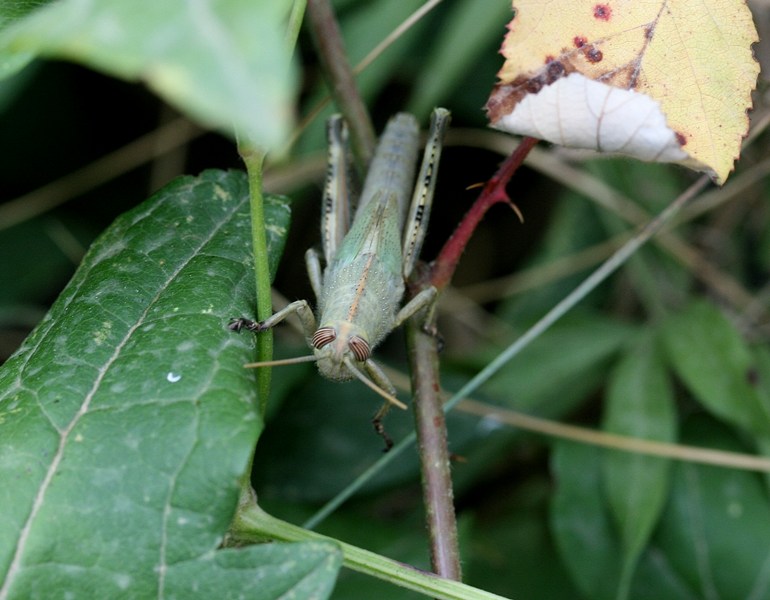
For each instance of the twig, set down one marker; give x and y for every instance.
(339, 76)
(430, 425)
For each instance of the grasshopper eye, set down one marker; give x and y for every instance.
(360, 348)
(325, 335)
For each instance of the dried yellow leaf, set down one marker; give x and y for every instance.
(663, 80)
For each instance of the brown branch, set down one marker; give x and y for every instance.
(339, 76)
(435, 468)
(430, 422)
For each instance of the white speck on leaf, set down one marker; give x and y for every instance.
(173, 377)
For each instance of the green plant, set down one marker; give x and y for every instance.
(127, 423)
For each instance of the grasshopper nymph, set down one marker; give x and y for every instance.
(367, 262)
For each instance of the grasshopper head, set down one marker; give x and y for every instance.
(333, 345)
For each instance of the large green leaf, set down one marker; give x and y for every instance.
(226, 63)
(126, 418)
(639, 403)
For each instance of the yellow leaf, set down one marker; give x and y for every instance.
(662, 80)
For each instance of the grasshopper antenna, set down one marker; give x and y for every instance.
(348, 363)
(281, 362)
(371, 385)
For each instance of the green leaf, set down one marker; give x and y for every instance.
(581, 522)
(716, 528)
(582, 526)
(16, 9)
(225, 63)
(640, 403)
(303, 570)
(126, 419)
(714, 362)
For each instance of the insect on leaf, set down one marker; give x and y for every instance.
(665, 81)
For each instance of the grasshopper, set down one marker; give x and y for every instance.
(367, 261)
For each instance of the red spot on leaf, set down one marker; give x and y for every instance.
(594, 55)
(579, 41)
(603, 12)
(681, 138)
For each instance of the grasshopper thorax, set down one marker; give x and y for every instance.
(332, 345)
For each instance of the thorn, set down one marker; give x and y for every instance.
(516, 210)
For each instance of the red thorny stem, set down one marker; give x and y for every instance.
(494, 191)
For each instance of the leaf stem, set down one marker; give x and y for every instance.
(252, 524)
(339, 75)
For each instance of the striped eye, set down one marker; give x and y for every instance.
(360, 348)
(325, 335)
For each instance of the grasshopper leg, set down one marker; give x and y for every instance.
(379, 428)
(415, 305)
(241, 323)
(314, 271)
(422, 198)
(300, 307)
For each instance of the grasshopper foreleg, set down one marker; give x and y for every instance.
(300, 307)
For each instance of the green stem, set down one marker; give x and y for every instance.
(252, 524)
(253, 158)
